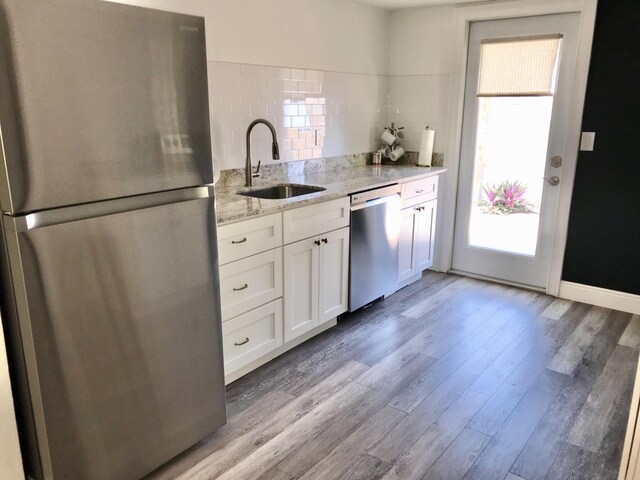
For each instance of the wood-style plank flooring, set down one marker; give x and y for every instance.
(449, 378)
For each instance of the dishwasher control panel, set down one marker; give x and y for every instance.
(367, 195)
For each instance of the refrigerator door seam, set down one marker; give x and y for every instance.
(86, 211)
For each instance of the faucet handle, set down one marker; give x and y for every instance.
(257, 173)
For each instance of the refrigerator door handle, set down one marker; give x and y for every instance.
(62, 215)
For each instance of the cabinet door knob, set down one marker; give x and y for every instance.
(324, 240)
(246, 340)
(244, 287)
(235, 242)
(317, 242)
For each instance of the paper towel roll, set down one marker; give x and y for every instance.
(396, 153)
(426, 147)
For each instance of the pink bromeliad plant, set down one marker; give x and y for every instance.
(505, 198)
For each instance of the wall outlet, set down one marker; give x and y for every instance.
(587, 141)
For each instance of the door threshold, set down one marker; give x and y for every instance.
(498, 280)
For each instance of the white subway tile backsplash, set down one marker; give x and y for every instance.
(297, 74)
(284, 73)
(312, 76)
(307, 107)
(319, 113)
(416, 101)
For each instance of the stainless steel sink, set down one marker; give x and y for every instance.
(285, 190)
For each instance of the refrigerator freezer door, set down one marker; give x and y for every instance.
(121, 328)
(99, 100)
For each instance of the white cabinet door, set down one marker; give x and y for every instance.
(424, 230)
(301, 262)
(406, 263)
(334, 274)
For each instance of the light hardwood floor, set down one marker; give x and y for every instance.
(449, 378)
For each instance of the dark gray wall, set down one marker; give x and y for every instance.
(603, 246)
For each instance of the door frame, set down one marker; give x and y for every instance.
(464, 15)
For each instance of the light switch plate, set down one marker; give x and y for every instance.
(587, 141)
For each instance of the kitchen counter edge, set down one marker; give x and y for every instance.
(232, 207)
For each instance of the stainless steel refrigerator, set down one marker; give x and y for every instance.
(109, 260)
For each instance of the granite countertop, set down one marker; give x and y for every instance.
(231, 207)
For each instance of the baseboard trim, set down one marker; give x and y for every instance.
(602, 297)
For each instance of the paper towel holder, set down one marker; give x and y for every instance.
(426, 147)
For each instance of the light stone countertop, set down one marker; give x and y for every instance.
(231, 207)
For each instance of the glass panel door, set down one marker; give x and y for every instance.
(519, 79)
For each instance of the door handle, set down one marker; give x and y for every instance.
(553, 181)
(317, 242)
(324, 240)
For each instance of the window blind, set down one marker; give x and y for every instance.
(516, 67)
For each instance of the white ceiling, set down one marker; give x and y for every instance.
(397, 4)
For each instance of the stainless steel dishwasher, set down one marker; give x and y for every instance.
(375, 225)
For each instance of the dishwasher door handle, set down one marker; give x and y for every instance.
(375, 201)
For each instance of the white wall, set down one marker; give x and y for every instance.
(421, 41)
(420, 68)
(334, 35)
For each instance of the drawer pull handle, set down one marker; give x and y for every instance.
(419, 191)
(324, 240)
(317, 242)
(244, 287)
(235, 242)
(246, 340)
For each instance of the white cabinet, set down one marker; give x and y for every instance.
(306, 222)
(250, 290)
(406, 264)
(242, 239)
(417, 229)
(301, 266)
(250, 282)
(315, 281)
(250, 336)
(425, 189)
(272, 294)
(334, 274)
(424, 234)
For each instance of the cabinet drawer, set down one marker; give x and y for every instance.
(425, 188)
(252, 335)
(242, 239)
(250, 282)
(312, 220)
